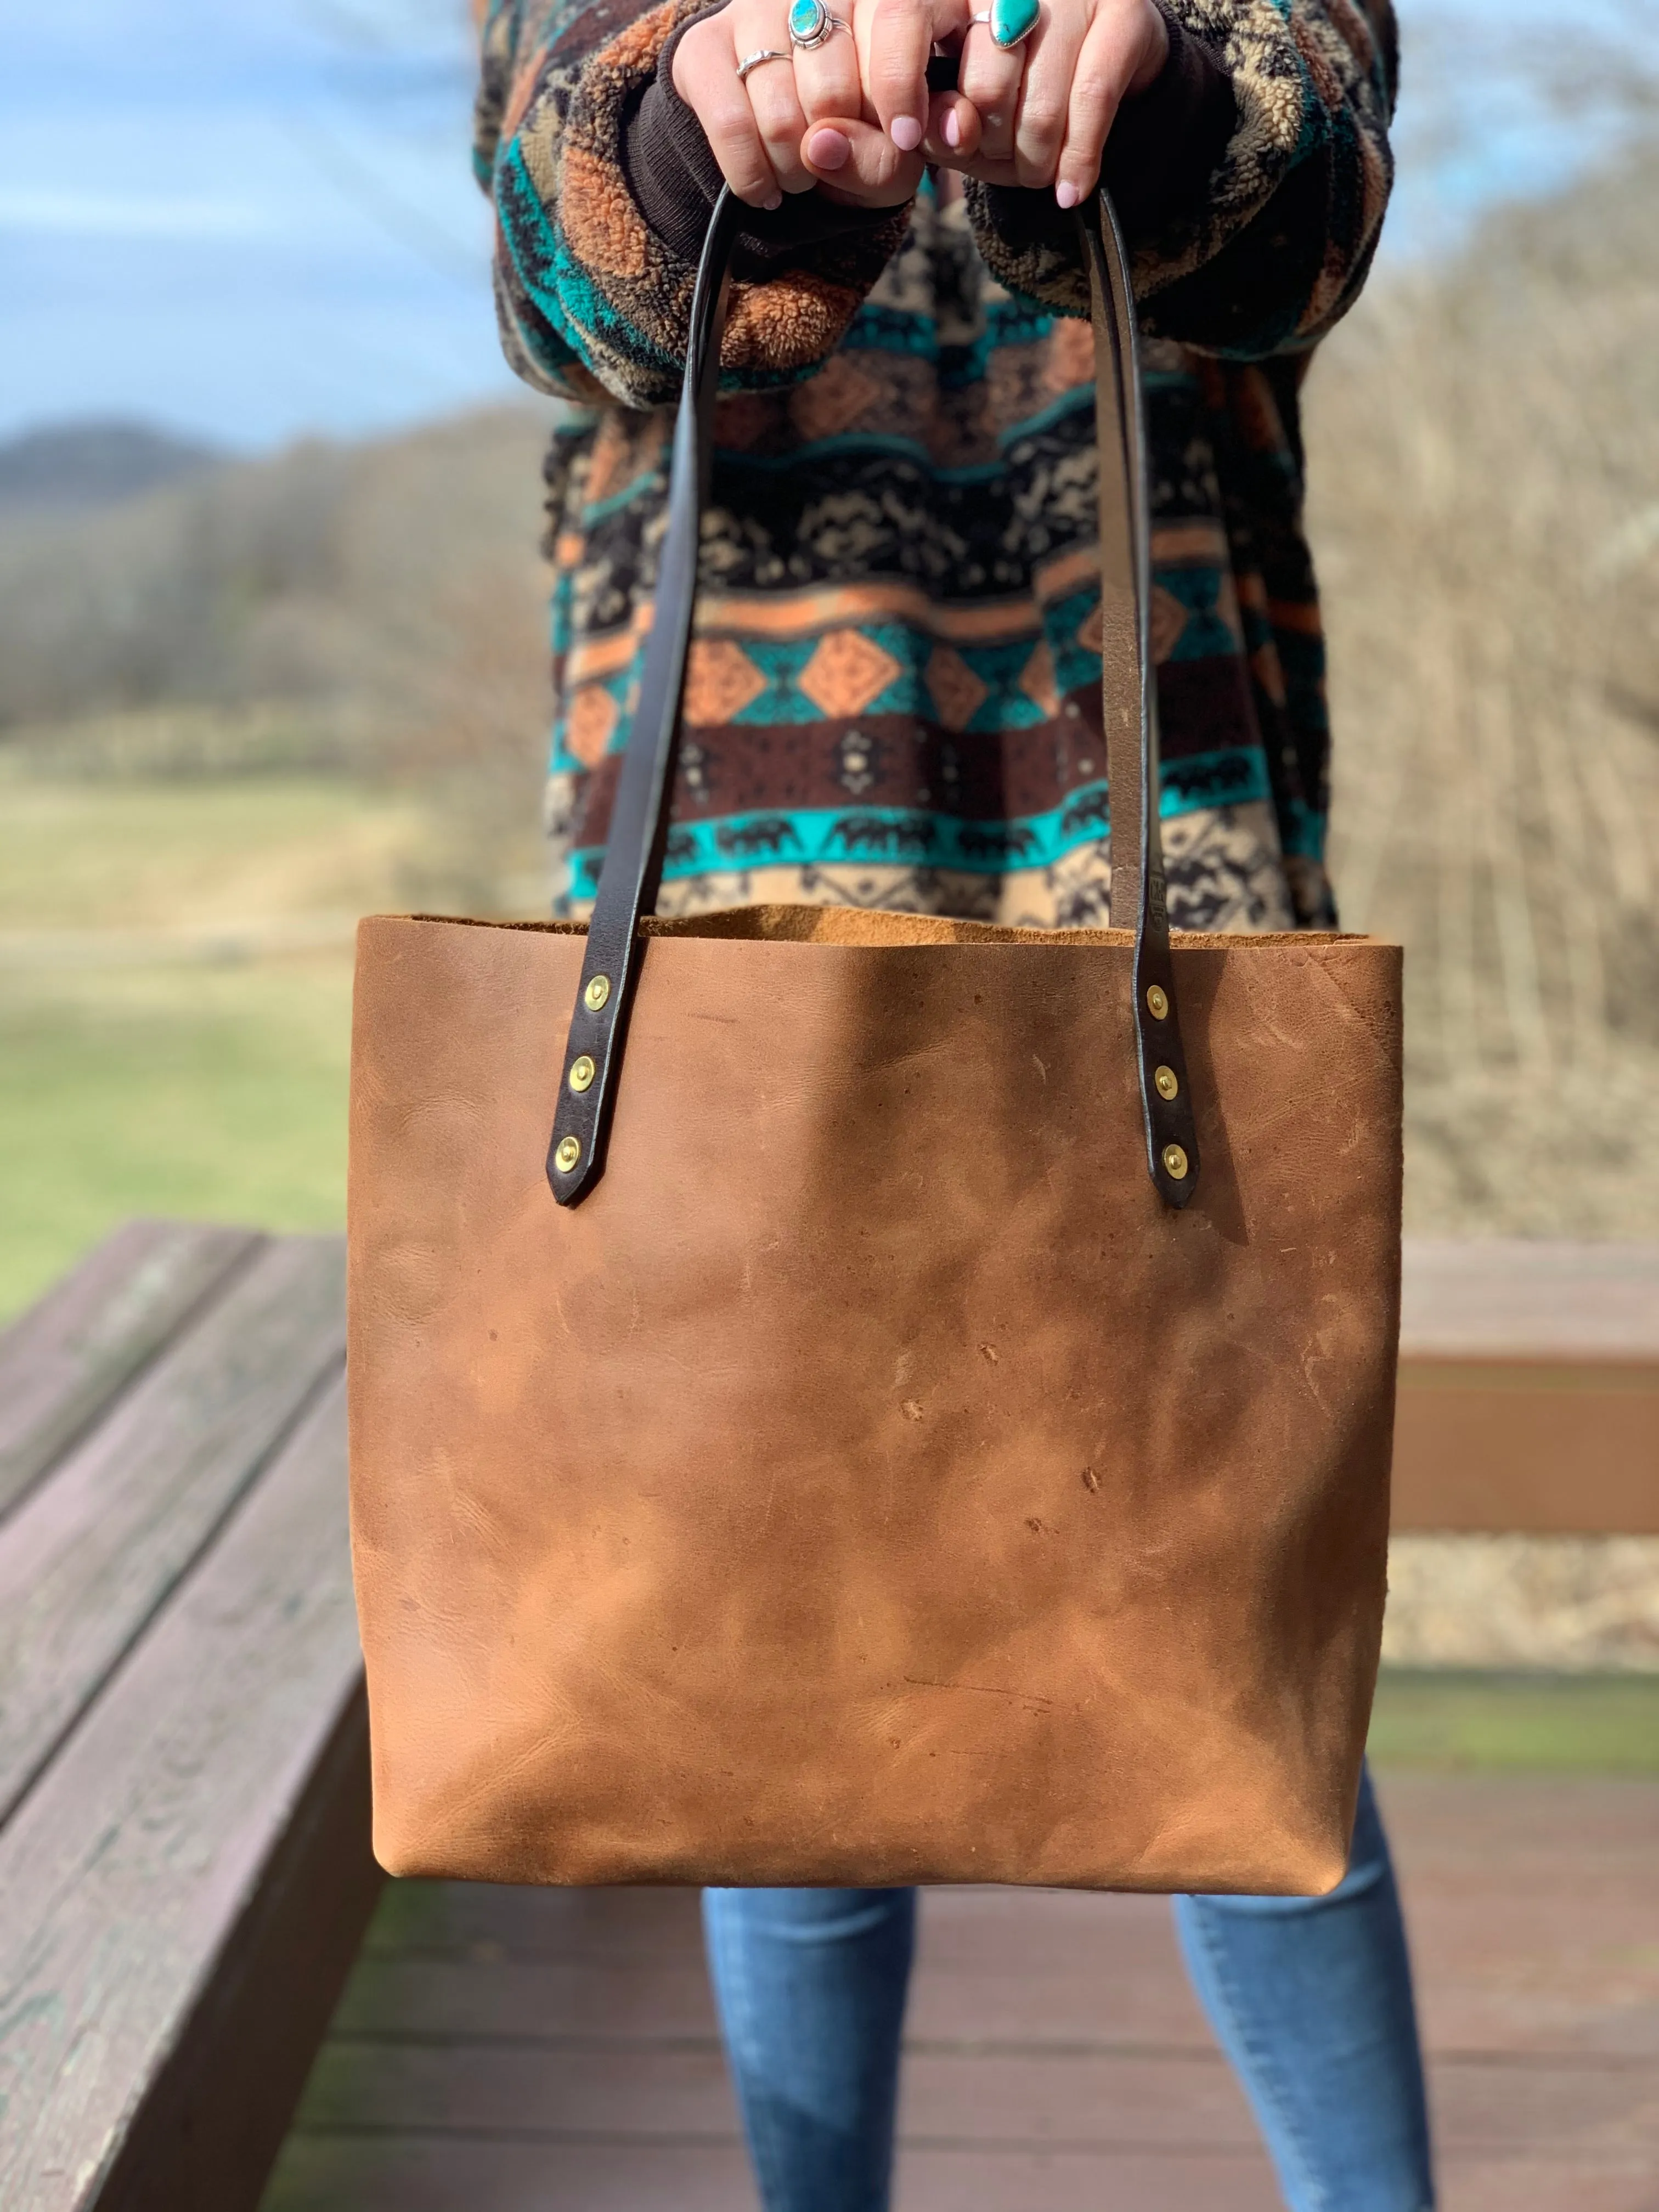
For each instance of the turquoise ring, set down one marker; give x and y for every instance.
(1009, 22)
(811, 23)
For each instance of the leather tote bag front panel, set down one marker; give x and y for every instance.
(874, 1479)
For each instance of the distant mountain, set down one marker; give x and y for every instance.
(322, 572)
(76, 466)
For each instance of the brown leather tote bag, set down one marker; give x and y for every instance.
(866, 1447)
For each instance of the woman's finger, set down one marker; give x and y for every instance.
(990, 75)
(774, 98)
(1107, 64)
(893, 58)
(1040, 120)
(706, 79)
(857, 161)
(827, 82)
(953, 129)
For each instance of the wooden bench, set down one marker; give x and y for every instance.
(1528, 1396)
(185, 1872)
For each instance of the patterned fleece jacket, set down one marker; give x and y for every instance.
(893, 694)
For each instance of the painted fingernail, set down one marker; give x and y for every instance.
(1068, 195)
(906, 133)
(827, 150)
(951, 129)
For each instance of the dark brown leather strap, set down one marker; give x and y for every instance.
(1129, 689)
(639, 820)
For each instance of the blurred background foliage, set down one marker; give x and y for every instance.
(1484, 470)
(236, 712)
(247, 696)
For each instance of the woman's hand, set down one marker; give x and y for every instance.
(799, 118)
(1046, 106)
(1036, 114)
(852, 113)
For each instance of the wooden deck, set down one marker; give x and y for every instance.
(185, 1873)
(1528, 1389)
(499, 2050)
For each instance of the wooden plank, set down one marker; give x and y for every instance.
(632, 2002)
(1533, 1911)
(561, 2091)
(1519, 1446)
(1518, 1298)
(88, 1557)
(976, 2180)
(434, 2172)
(436, 2167)
(1094, 1999)
(63, 1361)
(1066, 1967)
(487, 1920)
(188, 1883)
(1054, 1969)
(571, 2091)
(452, 2173)
(1038, 1968)
(1529, 1397)
(211, 2125)
(500, 2049)
(1524, 2183)
(1490, 2107)
(1029, 2180)
(1114, 2096)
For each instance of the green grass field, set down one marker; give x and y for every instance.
(175, 985)
(1572, 1723)
(212, 1093)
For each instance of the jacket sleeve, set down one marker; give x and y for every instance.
(592, 299)
(1251, 178)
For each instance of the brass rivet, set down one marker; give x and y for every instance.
(596, 994)
(1157, 1001)
(1174, 1163)
(569, 1151)
(1168, 1082)
(582, 1073)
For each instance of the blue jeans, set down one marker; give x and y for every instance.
(1309, 1997)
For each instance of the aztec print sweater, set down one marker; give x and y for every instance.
(893, 695)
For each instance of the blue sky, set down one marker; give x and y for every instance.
(253, 223)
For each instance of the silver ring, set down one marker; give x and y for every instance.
(811, 23)
(1009, 23)
(762, 54)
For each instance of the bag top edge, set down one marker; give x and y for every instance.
(875, 928)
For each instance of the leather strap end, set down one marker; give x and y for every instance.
(638, 819)
(1128, 683)
(1166, 1097)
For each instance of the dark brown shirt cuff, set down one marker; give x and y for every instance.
(1168, 141)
